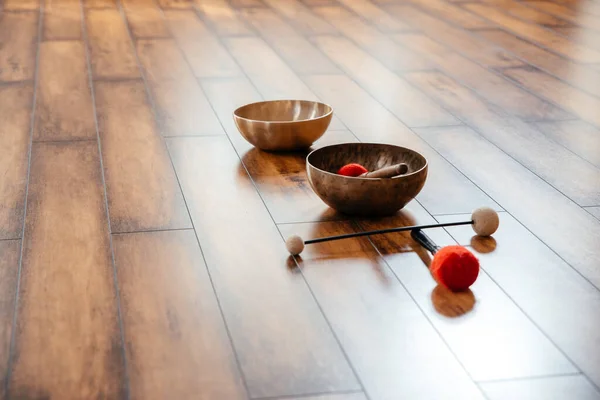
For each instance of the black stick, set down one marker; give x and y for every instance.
(424, 240)
(390, 230)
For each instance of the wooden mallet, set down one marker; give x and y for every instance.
(484, 222)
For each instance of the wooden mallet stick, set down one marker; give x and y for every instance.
(387, 172)
(484, 221)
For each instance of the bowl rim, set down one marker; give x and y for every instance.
(235, 112)
(309, 164)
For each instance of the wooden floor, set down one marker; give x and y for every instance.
(142, 246)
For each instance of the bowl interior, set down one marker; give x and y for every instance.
(372, 156)
(283, 111)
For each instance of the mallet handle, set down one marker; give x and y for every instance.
(390, 230)
(420, 237)
(387, 172)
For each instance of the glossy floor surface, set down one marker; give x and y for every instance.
(142, 238)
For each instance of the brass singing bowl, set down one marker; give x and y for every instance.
(365, 196)
(283, 125)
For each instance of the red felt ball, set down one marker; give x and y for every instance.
(455, 267)
(352, 170)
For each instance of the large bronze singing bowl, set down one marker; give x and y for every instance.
(365, 196)
(283, 125)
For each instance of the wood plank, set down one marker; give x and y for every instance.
(522, 11)
(67, 311)
(451, 14)
(62, 20)
(446, 191)
(176, 4)
(246, 3)
(17, 5)
(411, 106)
(462, 41)
(537, 34)
(529, 146)
(18, 41)
(349, 396)
(595, 211)
(111, 50)
(376, 320)
(182, 108)
(532, 281)
(280, 178)
(490, 85)
(145, 19)
(16, 103)
(9, 276)
(579, 103)
(300, 54)
(582, 36)
(392, 55)
(579, 17)
(64, 109)
(141, 185)
(378, 17)
(578, 75)
(503, 343)
(223, 18)
(559, 222)
(273, 78)
(577, 136)
(554, 388)
(100, 4)
(203, 51)
(301, 17)
(177, 343)
(263, 307)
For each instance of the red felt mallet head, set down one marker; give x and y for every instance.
(352, 170)
(454, 267)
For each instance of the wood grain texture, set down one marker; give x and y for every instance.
(145, 19)
(16, 103)
(503, 343)
(223, 18)
(349, 396)
(205, 54)
(523, 11)
(537, 34)
(9, 276)
(579, 103)
(577, 136)
(111, 51)
(578, 75)
(177, 342)
(272, 77)
(176, 4)
(532, 282)
(21, 5)
(300, 54)
(352, 283)
(141, 185)
(561, 224)
(263, 307)
(67, 311)
(584, 36)
(452, 14)
(555, 388)
(446, 190)
(581, 17)
(529, 146)
(369, 11)
(100, 4)
(411, 106)
(380, 46)
(181, 106)
(18, 41)
(490, 85)
(64, 109)
(301, 17)
(468, 45)
(62, 20)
